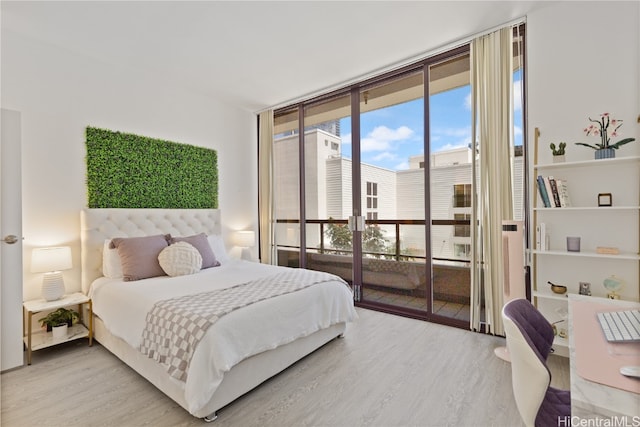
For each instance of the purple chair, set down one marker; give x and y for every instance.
(529, 338)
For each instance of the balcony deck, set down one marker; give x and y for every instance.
(449, 309)
(400, 283)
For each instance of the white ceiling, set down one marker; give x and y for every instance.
(257, 54)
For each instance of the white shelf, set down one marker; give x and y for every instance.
(589, 163)
(38, 305)
(42, 339)
(589, 254)
(559, 297)
(603, 209)
(620, 228)
(36, 340)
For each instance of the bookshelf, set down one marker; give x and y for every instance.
(616, 226)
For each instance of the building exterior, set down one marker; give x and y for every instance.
(386, 195)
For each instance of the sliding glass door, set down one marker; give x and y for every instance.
(391, 180)
(450, 185)
(367, 186)
(327, 182)
(374, 184)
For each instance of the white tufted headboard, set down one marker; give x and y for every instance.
(97, 225)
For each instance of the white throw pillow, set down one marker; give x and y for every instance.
(179, 259)
(217, 245)
(111, 264)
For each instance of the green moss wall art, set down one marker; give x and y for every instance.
(131, 171)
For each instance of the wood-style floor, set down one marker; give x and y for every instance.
(386, 371)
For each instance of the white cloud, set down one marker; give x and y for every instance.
(372, 144)
(450, 138)
(402, 166)
(517, 130)
(517, 95)
(384, 156)
(381, 137)
(467, 101)
(386, 134)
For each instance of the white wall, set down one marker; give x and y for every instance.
(583, 60)
(60, 93)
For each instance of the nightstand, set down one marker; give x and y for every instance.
(41, 339)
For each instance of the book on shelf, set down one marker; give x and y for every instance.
(542, 238)
(547, 186)
(542, 189)
(563, 191)
(554, 191)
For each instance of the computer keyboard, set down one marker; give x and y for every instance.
(620, 326)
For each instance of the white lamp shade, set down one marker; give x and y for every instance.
(44, 260)
(245, 239)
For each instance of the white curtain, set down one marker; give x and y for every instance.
(492, 87)
(265, 188)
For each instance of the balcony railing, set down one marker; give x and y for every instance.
(396, 252)
(393, 271)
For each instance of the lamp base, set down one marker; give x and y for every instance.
(52, 286)
(246, 254)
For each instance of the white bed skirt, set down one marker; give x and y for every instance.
(242, 378)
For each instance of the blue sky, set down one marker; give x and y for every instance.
(391, 135)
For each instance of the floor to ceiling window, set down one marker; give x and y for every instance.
(373, 184)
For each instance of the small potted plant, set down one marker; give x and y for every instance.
(558, 152)
(59, 321)
(605, 128)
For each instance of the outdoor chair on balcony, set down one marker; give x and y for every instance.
(529, 339)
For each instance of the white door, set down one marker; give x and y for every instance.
(10, 241)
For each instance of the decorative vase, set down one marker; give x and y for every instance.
(59, 332)
(605, 153)
(558, 159)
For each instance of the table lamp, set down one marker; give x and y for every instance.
(51, 262)
(245, 239)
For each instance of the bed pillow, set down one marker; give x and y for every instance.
(139, 256)
(111, 265)
(218, 248)
(199, 241)
(179, 259)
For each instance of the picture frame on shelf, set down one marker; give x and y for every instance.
(605, 199)
(585, 288)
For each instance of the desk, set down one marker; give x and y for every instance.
(590, 399)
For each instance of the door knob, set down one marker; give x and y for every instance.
(10, 239)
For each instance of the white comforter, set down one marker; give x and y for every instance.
(123, 307)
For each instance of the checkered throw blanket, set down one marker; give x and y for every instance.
(174, 327)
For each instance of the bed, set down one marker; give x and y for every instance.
(240, 349)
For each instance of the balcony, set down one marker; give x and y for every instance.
(394, 274)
